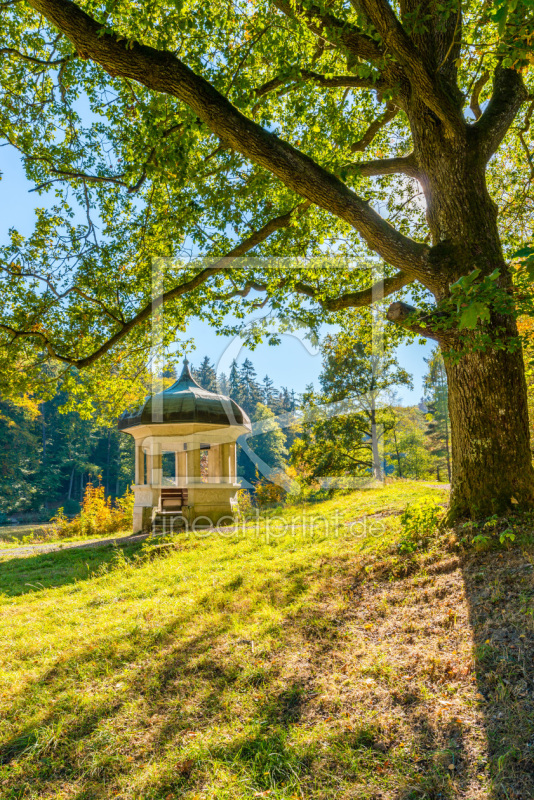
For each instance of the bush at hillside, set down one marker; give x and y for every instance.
(99, 515)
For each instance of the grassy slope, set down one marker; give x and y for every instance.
(309, 664)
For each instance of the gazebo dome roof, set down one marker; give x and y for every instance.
(185, 402)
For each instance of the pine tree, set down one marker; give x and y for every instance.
(268, 392)
(250, 389)
(223, 386)
(234, 383)
(286, 401)
(206, 376)
(47, 458)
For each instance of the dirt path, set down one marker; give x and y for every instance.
(35, 549)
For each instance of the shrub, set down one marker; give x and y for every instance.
(419, 522)
(98, 515)
(244, 501)
(267, 493)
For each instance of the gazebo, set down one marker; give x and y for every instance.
(200, 428)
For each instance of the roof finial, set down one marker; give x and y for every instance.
(186, 362)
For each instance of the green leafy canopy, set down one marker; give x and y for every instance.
(134, 176)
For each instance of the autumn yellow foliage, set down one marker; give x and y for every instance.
(99, 515)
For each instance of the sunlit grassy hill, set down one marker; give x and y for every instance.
(289, 658)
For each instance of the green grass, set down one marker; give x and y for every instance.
(14, 536)
(292, 663)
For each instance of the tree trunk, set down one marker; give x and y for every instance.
(448, 446)
(108, 466)
(43, 433)
(397, 454)
(377, 468)
(491, 459)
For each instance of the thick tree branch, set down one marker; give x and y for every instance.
(362, 144)
(364, 297)
(382, 16)
(334, 30)
(255, 238)
(521, 133)
(164, 72)
(405, 165)
(334, 82)
(474, 105)
(509, 93)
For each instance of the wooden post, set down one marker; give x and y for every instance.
(148, 456)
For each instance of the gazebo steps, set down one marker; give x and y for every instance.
(167, 523)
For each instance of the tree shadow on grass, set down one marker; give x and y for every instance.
(73, 738)
(499, 589)
(348, 699)
(171, 693)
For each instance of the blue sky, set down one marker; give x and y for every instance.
(294, 363)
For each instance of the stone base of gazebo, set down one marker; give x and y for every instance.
(205, 504)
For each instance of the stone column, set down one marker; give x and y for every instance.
(193, 463)
(139, 465)
(157, 470)
(225, 462)
(214, 464)
(149, 468)
(233, 462)
(180, 467)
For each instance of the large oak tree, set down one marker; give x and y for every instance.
(275, 127)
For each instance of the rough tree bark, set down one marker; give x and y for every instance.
(492, 467)
(491, 458)
(492, 463)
